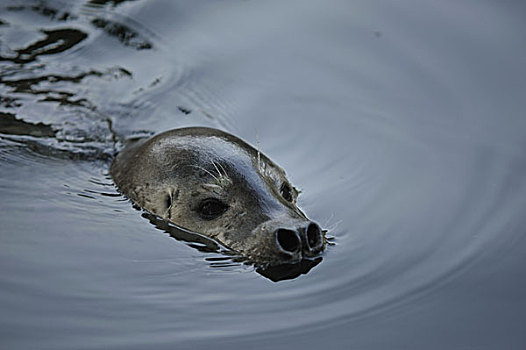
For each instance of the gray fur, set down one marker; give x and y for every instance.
(171, 173)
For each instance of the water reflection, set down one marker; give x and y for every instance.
(107, 2)
(45, 9)
(230, 258)
(123, 33)
(288, 271)
(418, 150)
(11, 126)
(35, 86)
(56, 41)
(29, 85)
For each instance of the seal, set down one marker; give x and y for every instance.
(213, 183)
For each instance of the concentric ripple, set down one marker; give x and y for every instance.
(402, 124)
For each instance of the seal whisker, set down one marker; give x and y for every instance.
(223, 178)
(217, 169)
(333, 226)
(212, 187)
(206, 171)
(222, 168)
(328, 219)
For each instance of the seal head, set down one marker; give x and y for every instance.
(213, 183)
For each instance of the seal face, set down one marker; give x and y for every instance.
(210, 182)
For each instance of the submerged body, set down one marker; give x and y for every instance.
(213, 183)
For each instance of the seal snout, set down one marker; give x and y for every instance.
(306, 239)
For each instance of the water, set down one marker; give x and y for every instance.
(402, 122)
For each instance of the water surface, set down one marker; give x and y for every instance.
(403, 123)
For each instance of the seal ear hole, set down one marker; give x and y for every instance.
(286, 192)
(167, 200)
(211, 208)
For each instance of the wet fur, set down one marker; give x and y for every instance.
(171, 172)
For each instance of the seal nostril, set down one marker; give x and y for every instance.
(288, 240)
(314, 235)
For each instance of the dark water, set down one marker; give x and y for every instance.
(402, 122)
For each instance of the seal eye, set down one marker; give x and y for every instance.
(211, 208)
(286, 192)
